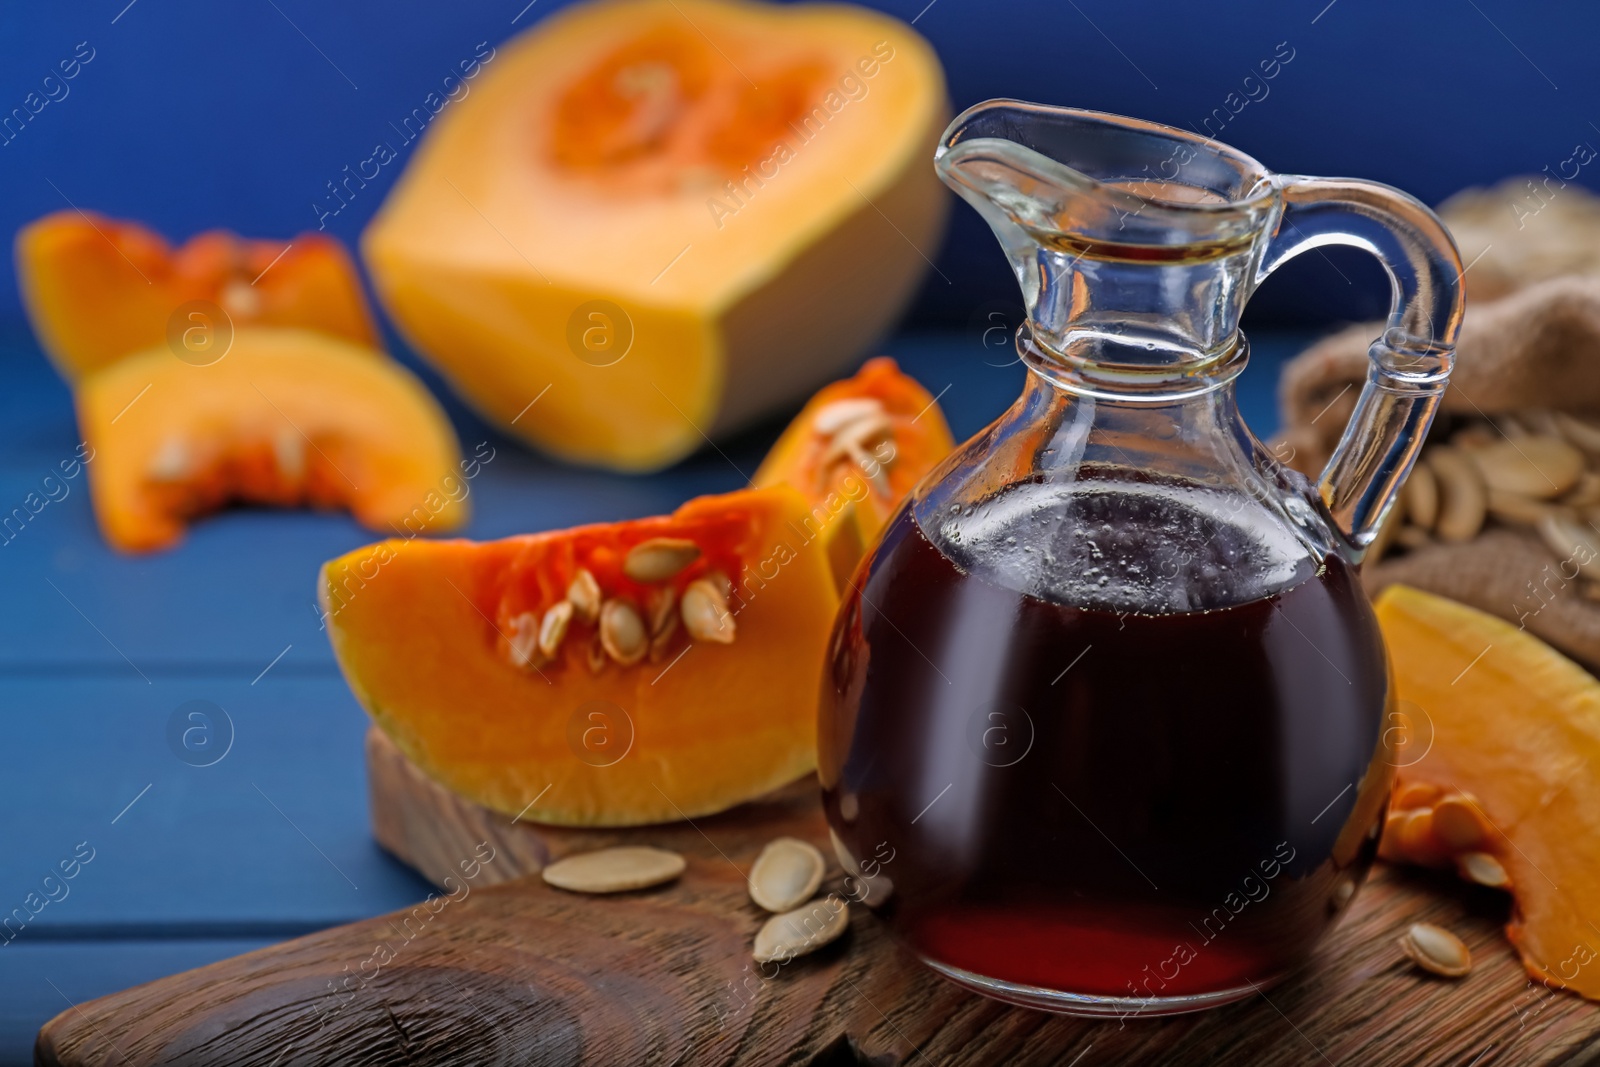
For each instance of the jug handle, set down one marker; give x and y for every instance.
(1409, 365)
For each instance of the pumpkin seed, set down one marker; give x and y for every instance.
(1421, 496)
(1415, 794)
(1412, 537)
(659, 558)
(1510, 426)
(658, 609)
(1570, 539)
(172, 462)
(1514, 509)
(720, 580)
(622, 632)
(1482, 868)
(584, 593)
(1415, 836)
(1436, 950)
(705, 613)
(876, 889)
(289, 452)
(523, 640)
(596, 654)
(1586, 493)
(663, 622)
(553, 628)
(801, 931)
(835, 416)
(1458, 824)
(855, 437)
(1463, 499)
(874, 471)
(1343, 890)
(615, 870)
(1540, 467)
(240, 299)
(1473, 436)
(1580, 431)
(786, 874)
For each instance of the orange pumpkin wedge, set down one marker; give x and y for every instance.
(855, 451)
(677, 215)
(609, 723)
(284, 417)
(1499, 773)
(98, 288)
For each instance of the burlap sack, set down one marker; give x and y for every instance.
(1537, 347)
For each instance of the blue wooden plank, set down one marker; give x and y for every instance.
(240, 588)
(45, 978)
(275, 831)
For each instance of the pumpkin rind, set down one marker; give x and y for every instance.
(285, 417)
(97, 288)
(508, 244)
(1500, 716)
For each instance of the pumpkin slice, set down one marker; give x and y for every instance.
(285, 417)
(677, 215)
(98, 288)
(647, 704)
(1499, 773)
(855, 451)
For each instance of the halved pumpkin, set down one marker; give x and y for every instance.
(676, 215)
(1499, 773)
(437, 640)
(285, 417)
(98, 288)
(855, 450)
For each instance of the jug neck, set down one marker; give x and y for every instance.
(1136, 245)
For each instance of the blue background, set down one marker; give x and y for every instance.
(195, 115)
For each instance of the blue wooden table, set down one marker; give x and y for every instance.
(99, 652)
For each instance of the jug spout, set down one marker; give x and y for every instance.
(1135, 244)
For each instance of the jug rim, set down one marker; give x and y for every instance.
(956, 144)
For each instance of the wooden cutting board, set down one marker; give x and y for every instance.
(505, 970)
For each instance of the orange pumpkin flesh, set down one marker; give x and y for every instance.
(421, 630)
(98, 288)
(285, 417)
(678, 215)
(852, 498)
(1498, 757)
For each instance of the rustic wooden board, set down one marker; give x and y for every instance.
(506, 970)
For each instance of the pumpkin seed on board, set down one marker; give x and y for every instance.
(614, 870)
(786, 874)
(1436, 950)
(802, 931)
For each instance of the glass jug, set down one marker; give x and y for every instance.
(1102, 729)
